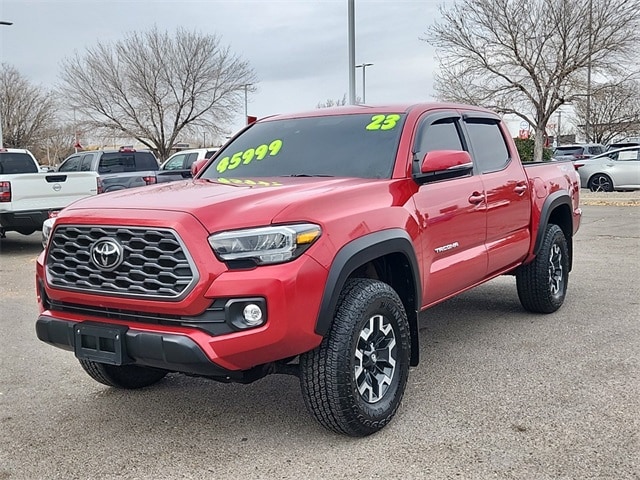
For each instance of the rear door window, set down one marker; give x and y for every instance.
(628, 155)
(85, 164)
(489, 149)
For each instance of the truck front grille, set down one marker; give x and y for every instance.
(150, 263)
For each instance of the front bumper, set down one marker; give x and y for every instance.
(198, 343)
(160, 350)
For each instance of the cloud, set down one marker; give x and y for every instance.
(298, 48)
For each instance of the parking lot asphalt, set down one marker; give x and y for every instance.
(499, 393)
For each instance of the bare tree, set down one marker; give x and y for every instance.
(153, 86)
(333, 103)
(528, 57)
(26, 110)
(336, 103)
(614, 110)
(56, 144)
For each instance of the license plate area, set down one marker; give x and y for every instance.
(100, 343)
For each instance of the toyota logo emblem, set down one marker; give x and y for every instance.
(107, 254)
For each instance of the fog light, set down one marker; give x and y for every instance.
(252, 314)
(244, 313)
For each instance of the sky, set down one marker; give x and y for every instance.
(298, 48)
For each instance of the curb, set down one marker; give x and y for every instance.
(619, 202)
(626, 199)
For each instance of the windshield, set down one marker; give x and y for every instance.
(362, 146)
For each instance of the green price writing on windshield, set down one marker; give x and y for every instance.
(247, 156)
(248, 181)
(383, 122)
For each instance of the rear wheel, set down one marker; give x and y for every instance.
(600, 183)
(122, 376)
(542, 284)
(354, 381)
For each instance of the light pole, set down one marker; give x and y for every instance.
(351, 8)
(588, 120)
(1, 139)
(246, 112)
(364, 67)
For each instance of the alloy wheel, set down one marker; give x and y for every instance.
(556, 273)
(375, 357)
(601, 183)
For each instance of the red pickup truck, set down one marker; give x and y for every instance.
(308, 245)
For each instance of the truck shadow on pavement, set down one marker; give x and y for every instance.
(195, 411)
(23, 244)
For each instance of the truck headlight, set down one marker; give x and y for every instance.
(265, 245)
(47, 227)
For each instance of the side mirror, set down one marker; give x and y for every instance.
(443, 164)
(197, 166)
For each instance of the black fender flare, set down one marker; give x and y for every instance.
(359, 252)
(552, 202)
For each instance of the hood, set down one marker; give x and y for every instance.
(226, 204)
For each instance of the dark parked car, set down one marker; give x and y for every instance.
(577, 152)
(118, 169)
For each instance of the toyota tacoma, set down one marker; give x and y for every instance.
(308, 245)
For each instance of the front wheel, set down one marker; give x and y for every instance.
(123, 376)
(354, 381)
(542, 284)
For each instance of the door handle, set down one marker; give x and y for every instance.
(476, 198)
(520, 189)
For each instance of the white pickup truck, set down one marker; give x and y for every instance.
(27, 196)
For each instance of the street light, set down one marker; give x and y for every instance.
(587, 129)
(246, 112)
(364, 67)
(1, 139)
(352, 51)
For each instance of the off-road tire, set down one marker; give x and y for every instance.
(122, 376)
(542, 284)
(340, 379)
